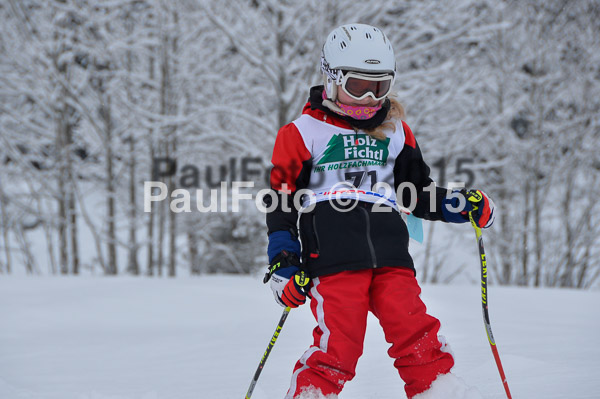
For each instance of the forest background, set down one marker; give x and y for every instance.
(97, 97)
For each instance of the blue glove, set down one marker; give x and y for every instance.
(482, 208)
(475, 201)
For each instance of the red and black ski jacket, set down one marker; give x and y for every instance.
(321, 148)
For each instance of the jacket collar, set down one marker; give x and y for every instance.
(324, 116)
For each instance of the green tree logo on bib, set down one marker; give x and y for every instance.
(343, 147)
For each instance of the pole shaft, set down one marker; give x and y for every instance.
(263, 360)
(484, 305)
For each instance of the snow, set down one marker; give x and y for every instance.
(450, 386)
(144, 338)
(312, 393)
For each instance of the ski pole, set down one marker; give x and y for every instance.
(476, 197)
(284, 316)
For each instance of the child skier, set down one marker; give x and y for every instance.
(349, 140)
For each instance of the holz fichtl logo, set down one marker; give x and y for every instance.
(344, 147)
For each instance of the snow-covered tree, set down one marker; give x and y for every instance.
(502, 95)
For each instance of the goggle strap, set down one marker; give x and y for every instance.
(340, 77)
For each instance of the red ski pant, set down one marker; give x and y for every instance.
(340, 304)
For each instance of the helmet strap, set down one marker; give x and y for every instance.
(331, 88)
(330, 94)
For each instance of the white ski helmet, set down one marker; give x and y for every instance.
(355, 47)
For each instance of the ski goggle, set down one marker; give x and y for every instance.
(360, 85)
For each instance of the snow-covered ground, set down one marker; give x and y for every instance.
(141, 338)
